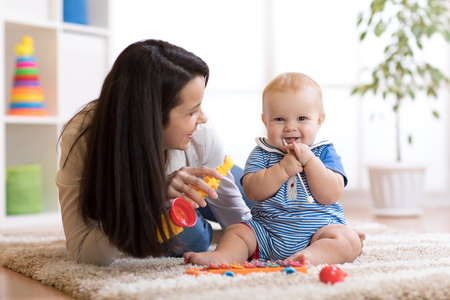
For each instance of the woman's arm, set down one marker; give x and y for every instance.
(86, 244)
(207, 150)
(182, 181)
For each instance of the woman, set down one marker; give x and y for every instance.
(143, 142)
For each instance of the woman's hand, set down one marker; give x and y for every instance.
(181, 182)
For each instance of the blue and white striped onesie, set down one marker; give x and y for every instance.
(284, 224)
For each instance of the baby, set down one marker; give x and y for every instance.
(296, 183)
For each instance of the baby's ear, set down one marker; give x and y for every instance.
(263, 119)
(320, 121)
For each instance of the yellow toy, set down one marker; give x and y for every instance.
(213, 182)
(26, 47)
(182, 214)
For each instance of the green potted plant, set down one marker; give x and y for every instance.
(398, 78)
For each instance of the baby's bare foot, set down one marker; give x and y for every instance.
(301, 258)
(204, 258)
(362, 237)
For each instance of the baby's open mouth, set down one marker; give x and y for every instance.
(291, 140)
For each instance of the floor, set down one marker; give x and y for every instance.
(15, 286)
(432, 220)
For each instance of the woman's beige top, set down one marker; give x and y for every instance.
(88, 244)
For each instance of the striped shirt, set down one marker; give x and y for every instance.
(285, 223)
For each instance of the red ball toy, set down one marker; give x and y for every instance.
(332, 274)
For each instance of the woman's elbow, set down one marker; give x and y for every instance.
(92, 257)
(93, 249)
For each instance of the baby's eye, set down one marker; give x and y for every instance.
(278, 119)
(301, 118)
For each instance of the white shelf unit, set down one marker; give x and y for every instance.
(72, 62)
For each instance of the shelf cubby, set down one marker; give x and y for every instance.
(45, 46)
(72, 61)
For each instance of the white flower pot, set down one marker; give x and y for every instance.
(397, 189)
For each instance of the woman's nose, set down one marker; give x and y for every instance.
(202, 118)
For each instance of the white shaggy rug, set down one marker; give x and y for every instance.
(396, 264)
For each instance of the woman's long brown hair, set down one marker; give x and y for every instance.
(124, 187)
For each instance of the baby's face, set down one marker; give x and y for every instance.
(295, 116)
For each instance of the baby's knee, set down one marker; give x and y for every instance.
(235, 228)
(242, 231)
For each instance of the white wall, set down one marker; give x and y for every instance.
(248, 42)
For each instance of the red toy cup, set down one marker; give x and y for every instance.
(182, 213)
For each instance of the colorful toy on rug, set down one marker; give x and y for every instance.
(332, 274)
(289, 267)
(27, 96)
(182, 214)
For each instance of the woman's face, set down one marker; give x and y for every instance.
(184, 118)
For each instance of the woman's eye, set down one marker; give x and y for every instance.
(193, 113)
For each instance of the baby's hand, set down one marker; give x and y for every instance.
(303, 153)
(291, 165)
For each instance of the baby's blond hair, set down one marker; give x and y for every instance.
(292, 81)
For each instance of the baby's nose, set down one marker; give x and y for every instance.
(290, 127)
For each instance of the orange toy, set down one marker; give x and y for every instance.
(247, 268)
(182, 214)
